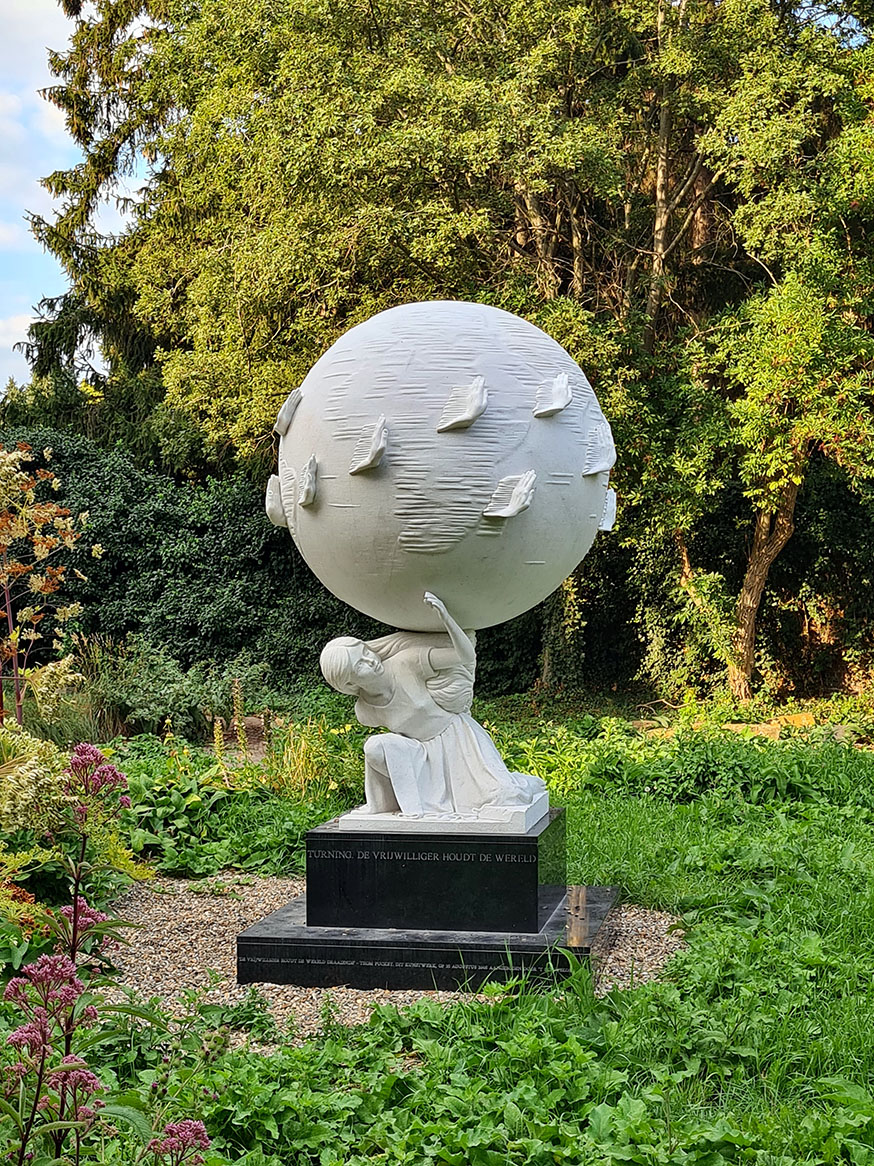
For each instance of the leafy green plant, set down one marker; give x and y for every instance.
(754, 1046)
(170, 821)
(314, 760)
(133, 686)
(686, 763)
(39, 845)
(193, 815)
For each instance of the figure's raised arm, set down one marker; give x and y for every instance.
(463, 649)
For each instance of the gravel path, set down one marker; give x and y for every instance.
(185, 928)
(634, 946)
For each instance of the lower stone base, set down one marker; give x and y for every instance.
(494, 820)
(281, 949)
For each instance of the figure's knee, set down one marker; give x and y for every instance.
(373, 750)
(385, 746)
(376, 748)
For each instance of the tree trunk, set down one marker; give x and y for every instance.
(577, 240)
(660, 224)
(772, 532)
(544, 235)
(703, 217)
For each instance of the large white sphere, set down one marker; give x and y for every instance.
(411, 519)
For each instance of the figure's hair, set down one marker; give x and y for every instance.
(334, 663)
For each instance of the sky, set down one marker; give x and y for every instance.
(33, 143)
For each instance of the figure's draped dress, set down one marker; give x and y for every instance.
(456, 761)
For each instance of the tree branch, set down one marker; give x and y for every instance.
(690, 214)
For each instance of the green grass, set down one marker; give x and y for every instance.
(756, 1047)
(779, 902)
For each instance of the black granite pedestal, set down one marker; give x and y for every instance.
(445, 882)
(441, 910)
(282, 949)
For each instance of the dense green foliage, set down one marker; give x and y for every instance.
(190, 817)
(201, 577)
(197, 570)
(755, 1047)
(198, 573)
(680, 193)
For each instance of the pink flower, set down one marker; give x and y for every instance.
(179, 1138)
(84, 757)
(33, 1036)
(47, 989)
(90, 771)
(67, 995)
(14, 1074)
(89, 775)
(52, 971)
(76, 1079)
(15, 990)
(86, 1113)
(107, 777)
(88, 916)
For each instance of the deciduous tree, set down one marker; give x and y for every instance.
(678, 192)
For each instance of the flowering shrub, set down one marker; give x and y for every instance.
(32, 531)
(88, 777)
(94, 792)
(49, 1093)
(180, 1142)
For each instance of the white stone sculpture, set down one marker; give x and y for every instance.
(455, 450)
(436, 764)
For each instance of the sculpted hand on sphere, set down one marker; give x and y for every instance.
(436, 761)
(512, 496)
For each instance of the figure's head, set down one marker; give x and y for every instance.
(350, 666)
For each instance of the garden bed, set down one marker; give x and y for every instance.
(185, 936)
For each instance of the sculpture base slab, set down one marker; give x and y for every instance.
(282, 949)
(491, 819)
(444, 881)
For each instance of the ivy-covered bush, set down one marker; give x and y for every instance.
(198, 571)
(194, 569)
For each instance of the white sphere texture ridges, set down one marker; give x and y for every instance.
(448, 447)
